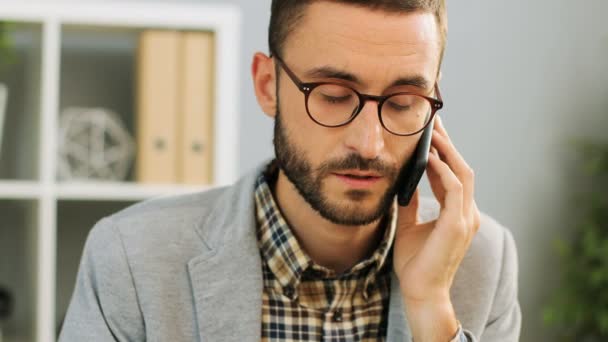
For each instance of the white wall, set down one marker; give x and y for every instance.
(520, 79)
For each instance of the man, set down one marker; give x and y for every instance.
(312, 246)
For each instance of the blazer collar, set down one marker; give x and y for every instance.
(227, 280)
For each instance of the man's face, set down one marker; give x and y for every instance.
(375, 50)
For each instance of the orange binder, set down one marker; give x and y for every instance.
(157, 106)
(195, 151)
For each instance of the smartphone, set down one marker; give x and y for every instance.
(412, 172)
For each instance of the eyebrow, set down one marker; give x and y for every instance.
(331, 72)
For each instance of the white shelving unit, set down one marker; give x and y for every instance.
(59, 42)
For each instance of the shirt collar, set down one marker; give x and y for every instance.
(282, 252)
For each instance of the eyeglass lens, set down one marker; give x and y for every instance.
(333, 105)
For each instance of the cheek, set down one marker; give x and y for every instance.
(308, 136)
(318, 143)
(293, 113)
(401, 148)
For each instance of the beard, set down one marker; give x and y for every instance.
(309, 181)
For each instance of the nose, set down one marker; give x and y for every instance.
(365, 134)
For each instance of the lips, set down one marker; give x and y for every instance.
(356, 179)
(359, 174)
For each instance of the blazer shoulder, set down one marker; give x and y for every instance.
(491, 240)
(170, 206)
(485, 289)
(162, 225)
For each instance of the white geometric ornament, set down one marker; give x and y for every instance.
(93, 145)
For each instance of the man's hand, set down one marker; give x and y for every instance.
(427, 255)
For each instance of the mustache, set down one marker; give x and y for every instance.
(355, 161)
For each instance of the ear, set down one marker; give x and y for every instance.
(264, 83)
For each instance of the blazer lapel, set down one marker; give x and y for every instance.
(226, 279)
(227, 296)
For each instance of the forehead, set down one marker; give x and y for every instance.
(359, 39)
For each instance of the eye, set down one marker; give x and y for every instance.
(397, 106)
(336, 99)
(401, 103)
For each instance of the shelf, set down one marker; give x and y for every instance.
(126, 13)
(19, 135)
(72, 231)
(114, 191)
(18, 246)
(94, 191)
(19, 190)
(76, 54)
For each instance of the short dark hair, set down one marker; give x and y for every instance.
(286, 14)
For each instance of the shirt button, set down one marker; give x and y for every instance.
(289, 291)
(318, 274)
(370, 290)
(338, 315)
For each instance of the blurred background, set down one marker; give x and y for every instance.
(526, 90)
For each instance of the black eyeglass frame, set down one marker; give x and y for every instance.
(307, 87)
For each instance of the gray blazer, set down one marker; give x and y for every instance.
(188, 268)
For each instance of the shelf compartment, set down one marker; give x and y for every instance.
(19, 144)
(18, 266)
(98, 71)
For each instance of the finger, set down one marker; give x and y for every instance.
(450, 155)
(469, 205)
(476, 218)
(473, 222)
(434, 180)
(453, 233)
(453, 200)
(409, 214)
(448, 152)
(472, 215)
(439, 127)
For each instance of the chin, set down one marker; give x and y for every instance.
(357, 202)
(353, 207)
(351, 213)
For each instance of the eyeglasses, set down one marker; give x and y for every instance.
(335, 105)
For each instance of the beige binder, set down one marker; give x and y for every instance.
(195, 152)
(157, 105)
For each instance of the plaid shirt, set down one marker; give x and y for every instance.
(303, 301)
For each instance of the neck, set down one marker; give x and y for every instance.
(336, 247)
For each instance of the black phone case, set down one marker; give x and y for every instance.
(412, 173)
